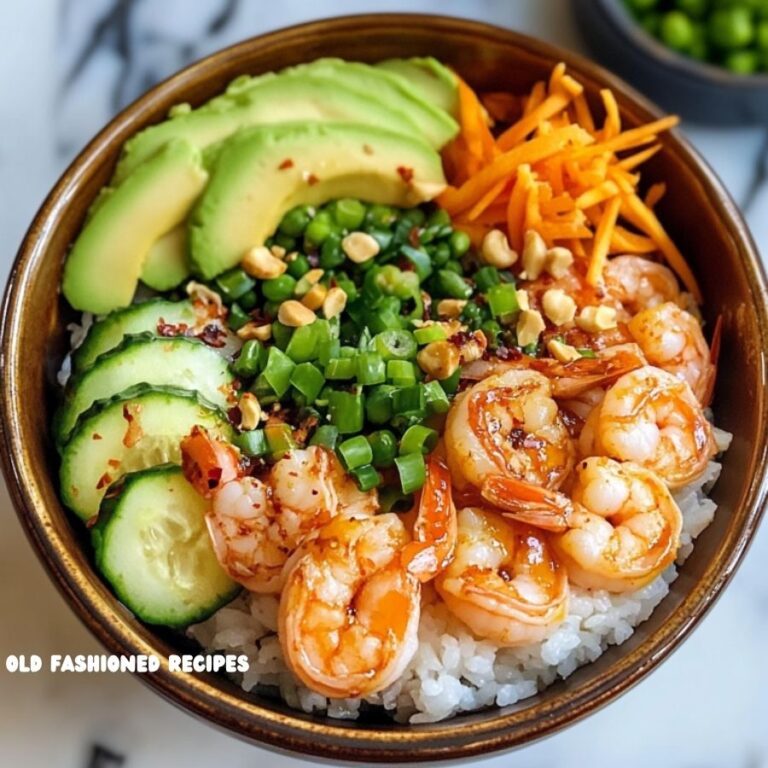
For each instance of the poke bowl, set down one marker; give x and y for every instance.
(439, 287)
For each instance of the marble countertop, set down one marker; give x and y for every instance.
(65, 67)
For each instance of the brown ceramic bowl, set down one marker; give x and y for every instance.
(701, 217)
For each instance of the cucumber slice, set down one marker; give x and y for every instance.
(138, 318)
(140, 427)
(152, 546)
(178, 362)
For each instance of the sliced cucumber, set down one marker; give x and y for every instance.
(138, 318)
(140, 427)
(152, 546)
(178, 362)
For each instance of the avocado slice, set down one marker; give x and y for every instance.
(103, 267)
(275, 99)
(260, 173)
(167, 262)
(434, 124)
(433, 81)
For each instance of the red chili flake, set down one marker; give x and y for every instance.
(134, 432)
(171, 329)
(508, 353)
(213, 336)
(235, 416)
(104, 481)
(214, 477)
(287, 163)
(406, 174)
(312, 179)
(517, 437)
(573, 423)
(460, 338)
(114, 463)
(96, 436)
(413, 237)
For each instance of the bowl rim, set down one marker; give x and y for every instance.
(335, 740)
(622, 21)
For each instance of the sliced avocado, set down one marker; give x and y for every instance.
(437, 127)
(103, 267)
(261, 173)
(276, 99)
(433, 81)
(167, 262)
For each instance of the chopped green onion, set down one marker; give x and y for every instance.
(492, 331)
(412, 471)
(278, 370)
(279, 439)
(380, 216)
(439, 218)
(303, 344)
(451, 285)
(486, 277)
(331, 254)
(237, 318)
(355, 452)
(234, 284)
(392, 499)
(263, 391)
(430, 333)
(347, 411)
(367, 477)
(348, 213)
(347, 352)
(586, 352)
(384, 446)
(395, 345)
(326, 435)
(248, 300)
(459, 243)
(252, 443)
(295, 221)
(341, 368)
(317, 232)
(378, 404)
(437, 400)
(409, 399)
(252, 358)
(328, 349)
(401, 372)
(451, 384)
(502, 299)
(422, 264)
(441, 254)
(418, 439)
(308, 380)
(278, 288)
(281, 334)
(370, 369)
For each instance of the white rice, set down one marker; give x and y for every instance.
(452, 671)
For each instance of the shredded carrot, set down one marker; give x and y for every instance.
(551, 169)
(602, 241)
(655, 193)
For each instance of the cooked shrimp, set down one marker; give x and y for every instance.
(256, 524)
(349, 611)
(434, 531)
(637, 283)
(508, 424)
(505, 583)
(619, 530)
(672, 340)
(568, 379)
(652, 418)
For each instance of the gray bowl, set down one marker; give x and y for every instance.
(699, 92)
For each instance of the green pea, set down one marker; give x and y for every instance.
(298, 266)
(331, 255)
(278, 288)
(317, 232)
(761, 36)
(459, 243)
(415, 217)
(676, 30)
(696, 9)
(743, 62)
(699, 48)
(348, 213)
(295, 221)
(731, 28)
(285, 241)
(441, 254)
(439, 218)
(380, 216)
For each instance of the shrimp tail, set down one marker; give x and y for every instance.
(528, 503)
(208, 463)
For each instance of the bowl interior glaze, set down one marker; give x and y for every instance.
(700, 216)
